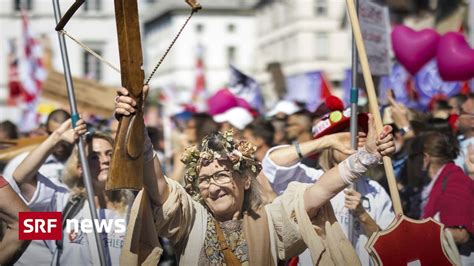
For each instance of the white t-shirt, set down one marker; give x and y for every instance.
(51, 168)
(376, 201)
(79, 248)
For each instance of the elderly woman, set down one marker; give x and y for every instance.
(219, 218)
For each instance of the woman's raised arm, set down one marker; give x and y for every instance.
(153, 178)
(342, 175)
(25, 173)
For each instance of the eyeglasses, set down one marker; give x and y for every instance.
(220, 178)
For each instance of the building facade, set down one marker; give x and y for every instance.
(303, 36)
(222, 33)
(93, 24)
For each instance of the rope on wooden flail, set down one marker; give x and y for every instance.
(88, 49)
(170, 46)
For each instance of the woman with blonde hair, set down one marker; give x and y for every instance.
(43, 194)
(118, 200)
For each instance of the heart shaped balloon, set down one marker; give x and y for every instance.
(455, 58)
(414, 49)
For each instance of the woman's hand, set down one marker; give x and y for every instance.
(342, 141)
(399, 113)
(126, 105)
(381, 144)
(65, 132)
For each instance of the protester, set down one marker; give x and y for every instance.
(45, 194)
(261, 133)
(465, 124)
(368, 202)
(52, 167)
(8, 130)
(278, 115)
(198, 126)
(236, 118)
(224, 203)
(450, 194)
(11, 247)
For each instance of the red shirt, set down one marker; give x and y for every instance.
(452, 196)
(3, 182)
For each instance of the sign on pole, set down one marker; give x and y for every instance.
(375, 26)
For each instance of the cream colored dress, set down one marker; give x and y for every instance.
(184, 222)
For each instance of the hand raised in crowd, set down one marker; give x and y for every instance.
(399, 113)
(381, 144)
(126, 105)
(65, 132)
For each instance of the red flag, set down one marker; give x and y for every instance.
(199, 91)
(32, 72)
(14, 83)
(325, 87)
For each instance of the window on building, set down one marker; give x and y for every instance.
(93, 5)
(92, 67)
(231, 52)
(231, 28)
(321, 7)
(199, 28)
(22, 4)
(322, 45)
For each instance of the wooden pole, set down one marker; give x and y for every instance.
(373, 104)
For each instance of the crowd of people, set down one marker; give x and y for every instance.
(242, 187)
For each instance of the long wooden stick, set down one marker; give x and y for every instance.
(373, 104)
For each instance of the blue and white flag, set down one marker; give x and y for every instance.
(246, 88)
(429, 84)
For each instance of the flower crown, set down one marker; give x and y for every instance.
(239, 153)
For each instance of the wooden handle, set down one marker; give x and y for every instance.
(126, 166)
(373, 104)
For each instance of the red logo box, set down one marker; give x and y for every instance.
(40, 226)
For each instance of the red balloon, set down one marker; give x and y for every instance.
(414, 49)
(455, 58)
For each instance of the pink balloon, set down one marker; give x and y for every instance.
(414, 49)
(455, 58)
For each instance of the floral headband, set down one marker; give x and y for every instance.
(240, 154)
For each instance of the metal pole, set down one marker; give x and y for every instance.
(353, 127)
(80, 145)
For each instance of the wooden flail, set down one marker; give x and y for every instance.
(126, 169)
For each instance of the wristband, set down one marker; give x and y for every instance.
(298, 150)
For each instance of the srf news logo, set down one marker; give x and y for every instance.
(40, 226)
(48, 225)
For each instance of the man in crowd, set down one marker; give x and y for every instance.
(54, 164)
